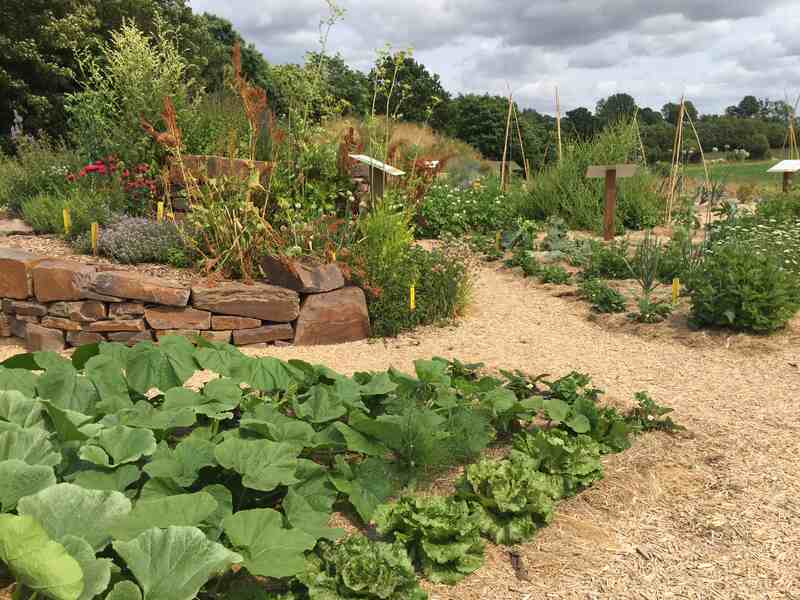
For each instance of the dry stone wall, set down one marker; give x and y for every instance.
(54, 303)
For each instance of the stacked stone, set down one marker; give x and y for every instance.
(53, 304)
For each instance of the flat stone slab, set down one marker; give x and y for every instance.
(15, 273)
(56, 280)
(259, 301)
(333, 318)
(15, 227)
(134, 286)
(302, 278)
(42, 338)
(267, 333)
(161, 317)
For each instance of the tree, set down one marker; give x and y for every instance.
(581, 121)
(670, 111)
(648, 116)
(345, 84)
(481, 122)
(615, 107)
(414, 93)
(749, 107)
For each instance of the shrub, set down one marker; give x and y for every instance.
(134, 240)
(44, 212)
(127, 80)
(40, 166)
(553, 274)
(737, 287)
(481, 208)
(602, 298)
(651, 311)
(563, 189)
(780, 207)
(747, 192)
(605, 260)
(386, 264)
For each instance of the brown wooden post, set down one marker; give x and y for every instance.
(787, 177)
(610, 204)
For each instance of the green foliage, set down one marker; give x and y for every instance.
(133, 240)
(648, 415)
(553, 274)
(563, 190)
(480, 208)
(442, 535)
(387, 264)
(651, 311)
(603, 298)
(512, 498)
(575, 459)
(44, 212)
(605, 260)
(736, 286)
(128, 81)
(359, 568)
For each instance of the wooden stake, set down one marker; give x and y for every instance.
(787, 178)
(505, 146)
(558, 123)
(610, 204)
(522, 146)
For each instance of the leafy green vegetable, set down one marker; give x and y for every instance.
(36, 561)
(576, 459)
(28, 445)
(441, 535)
(367, 484)
(511, 496)
(19, 479)
(118, 445)
(174, 563)
(180, 509)
(96, 571)
(164, 366)
(358, 568)
(263, 465)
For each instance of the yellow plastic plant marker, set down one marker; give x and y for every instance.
(676, 286)
(95, 228)
(497, 240)
(412, 297)
(160, 211)
(67, 220)
(333, 255)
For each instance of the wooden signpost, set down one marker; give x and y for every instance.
(377, 172)
(787, 167)
(611, 173)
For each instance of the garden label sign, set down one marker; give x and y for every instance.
(787, 167)
(611, 173)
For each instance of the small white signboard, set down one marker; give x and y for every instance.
(785, 166)
(600, 170)
(376, 164)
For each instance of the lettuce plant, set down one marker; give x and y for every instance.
(441, 535)
(511, 497)
(358, 568)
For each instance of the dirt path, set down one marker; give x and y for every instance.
(714, 513)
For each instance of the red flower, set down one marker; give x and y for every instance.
(70, 177)
(126, 173)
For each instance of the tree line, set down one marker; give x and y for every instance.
(44, 45)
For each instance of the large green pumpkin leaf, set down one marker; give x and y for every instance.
(182, 509)
(19, 380)
(182, 398)
(303, 516)
(96, 571)
(106, 373)
(173, 564)
(266, 374)
(212, 524)
(69, 425)
(340, 435)
(36, 561)
(47, 360)
(16, 407)
(182, 464)
(65, 388)
(116, 480)
(367, 485)
(268, 548)
(117, 351)
(263, 465)
(67, 509)
(314, 485)
(163, 367)
(19, 479)
(118, 445)
(218, 357)
(145, 415)
(320, 406)
(82, 355)
(268, 421)
(29, 445)
(125, 590)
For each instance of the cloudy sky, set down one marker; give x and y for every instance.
(714, 51)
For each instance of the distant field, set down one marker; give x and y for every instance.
(737, 173)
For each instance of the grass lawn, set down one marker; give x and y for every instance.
(737, 173)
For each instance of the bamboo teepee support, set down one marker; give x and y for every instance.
(558, 123)
(505, 145)
(525, 164)
(677, 145)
